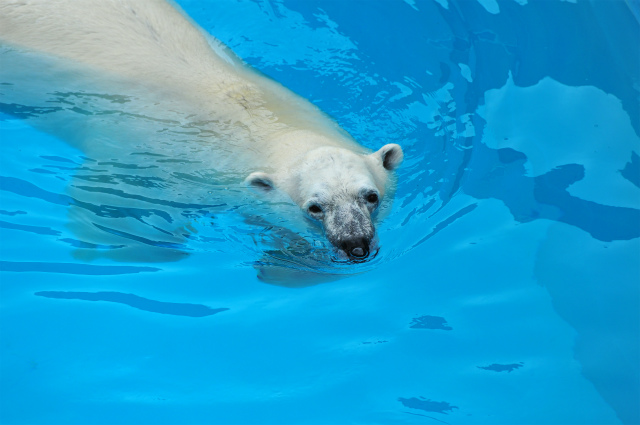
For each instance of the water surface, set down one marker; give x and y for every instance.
(506, 286)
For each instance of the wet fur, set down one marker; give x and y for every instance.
(259, 128)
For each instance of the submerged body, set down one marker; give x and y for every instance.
(260, 131)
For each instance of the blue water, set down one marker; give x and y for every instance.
(506, 289)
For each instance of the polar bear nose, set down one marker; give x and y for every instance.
(356, 248)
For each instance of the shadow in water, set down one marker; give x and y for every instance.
(430, 322)
(502, 367)
(71, 268)
(427, 405)
(176, 309)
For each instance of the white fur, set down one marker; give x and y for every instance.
(286, 142)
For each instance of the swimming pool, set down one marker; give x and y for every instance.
(506, 286)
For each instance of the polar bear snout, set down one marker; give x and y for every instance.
(349, 228)
(356, 248)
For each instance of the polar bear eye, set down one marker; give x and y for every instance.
(315, 209)
(372, 198)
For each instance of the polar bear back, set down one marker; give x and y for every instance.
(153, 44)
(145, 37)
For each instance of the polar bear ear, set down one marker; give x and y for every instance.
(259, 181)
(390, 155)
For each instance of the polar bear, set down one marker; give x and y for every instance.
(281, 142)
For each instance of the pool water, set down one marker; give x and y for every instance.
(506, 286)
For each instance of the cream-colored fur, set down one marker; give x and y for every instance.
(261, 127)
(151, 42)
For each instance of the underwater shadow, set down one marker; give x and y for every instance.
(175, 309)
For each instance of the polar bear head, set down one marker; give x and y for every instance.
(340, 189)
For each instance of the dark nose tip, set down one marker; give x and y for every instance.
(356, 248)
(357, 252)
